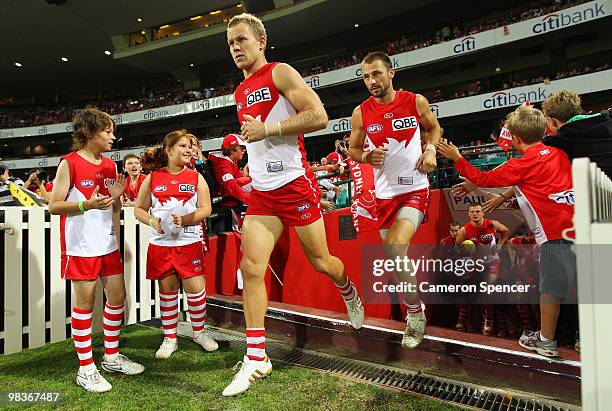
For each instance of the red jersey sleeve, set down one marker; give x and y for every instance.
(230, 186)
(508, 174)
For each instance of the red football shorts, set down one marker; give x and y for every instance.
(185, 261)
(90, 268)
(387, 209)
(296, 203)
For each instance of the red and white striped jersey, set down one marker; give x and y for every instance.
(273, 161)
(174, 194)
(542, 180)
(89, 234)
(395, 126)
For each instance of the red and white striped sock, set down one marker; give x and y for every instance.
(113, 317)
(256, 344)
(168, 305)
(197, 310)
(414, 308)
(347, 290)
(81, 334)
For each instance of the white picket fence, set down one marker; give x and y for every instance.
(593, 224)
(42, 250)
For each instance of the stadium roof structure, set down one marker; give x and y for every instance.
(38, 33)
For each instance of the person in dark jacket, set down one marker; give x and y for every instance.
(576, 133)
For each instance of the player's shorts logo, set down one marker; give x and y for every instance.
(87, 183)
(405, 181)
(305, 216)
(374, 128)
(263, 94)
(274, 167)
(160, 189)
(196, 261)
(303, 207)
(186, 188)
(404, 123)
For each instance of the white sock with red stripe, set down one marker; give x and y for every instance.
(81, 334)
(113, 317)
(168, 305)
(197, 310)
(414, 308)
(256, 344)
(347, 290)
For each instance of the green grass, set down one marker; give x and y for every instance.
(190, 380)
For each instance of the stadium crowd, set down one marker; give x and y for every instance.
(125, 101)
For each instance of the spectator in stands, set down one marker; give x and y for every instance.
(576, 133)
(37, 182)
(233, 185)
(134, 178)
(6, 198)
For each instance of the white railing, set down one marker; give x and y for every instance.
(32, 282)
(593, 224)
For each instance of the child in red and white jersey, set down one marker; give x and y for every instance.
(174, 200)
(543, 185)
(87, 195)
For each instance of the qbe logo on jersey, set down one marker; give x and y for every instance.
(404, 123)
(263, 94)
(186, 188)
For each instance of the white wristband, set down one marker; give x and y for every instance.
(364, 157)
(266, 130)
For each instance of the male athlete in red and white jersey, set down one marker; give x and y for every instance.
(276, 108)
(453, 228)
(482, 232)
(87, 195)
(131, 165)
(542, 180)
(174, 200)
(390, 121)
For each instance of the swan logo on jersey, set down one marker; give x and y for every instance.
(374, 128)
(99, 175)
(404, 123)
(186, 188)
(564, 197)
(303, 207)
(485, 238)
(160, 189)
(263, 94)
(87, 183)
(388, 115)
(238, 106)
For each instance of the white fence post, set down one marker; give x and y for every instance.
(145, 285)
(36, 277)
(592, 194)
(13, 284)
(57, 284)
(129, 264)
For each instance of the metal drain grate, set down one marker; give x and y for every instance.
(447, 390)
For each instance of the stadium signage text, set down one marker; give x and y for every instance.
(466, 44)
(562, 18)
